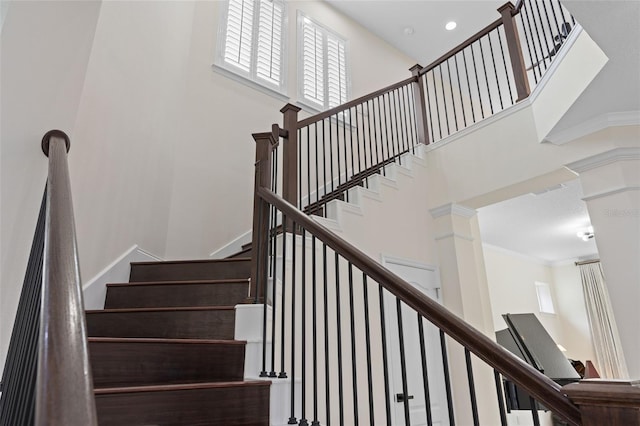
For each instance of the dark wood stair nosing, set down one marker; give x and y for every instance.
(180, 386)
(165, 340)
(161, 309)
(179, 262)
(189, 282)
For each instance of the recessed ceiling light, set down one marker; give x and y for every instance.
(409, 31)
(450, 26)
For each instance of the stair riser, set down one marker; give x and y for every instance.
(245, 405)
(184, 271)
(176, 295)
(117, 364)
(196, 324)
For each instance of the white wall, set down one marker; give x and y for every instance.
(512, 290)
(45, 48)
(162, 154)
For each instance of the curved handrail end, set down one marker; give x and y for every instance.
(51, 134)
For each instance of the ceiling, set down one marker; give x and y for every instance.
(542, 226)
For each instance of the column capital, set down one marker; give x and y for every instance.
(452, 209)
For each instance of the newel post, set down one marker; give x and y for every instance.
(606, 402)
(507, 11)
(420, 105)
(290, 153)
(264, 149)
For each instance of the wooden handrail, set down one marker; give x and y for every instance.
(64, 388)
(477, 36)
(538, 385)
(358, 101)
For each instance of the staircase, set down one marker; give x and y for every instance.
(163, 349)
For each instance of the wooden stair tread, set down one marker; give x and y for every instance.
(194, 261)
(169, 341)
(189, 282)
(182, 386)
(161, 309)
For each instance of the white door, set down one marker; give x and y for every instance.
(426, 279)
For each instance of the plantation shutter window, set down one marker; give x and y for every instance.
(323, 69)
(253, 41)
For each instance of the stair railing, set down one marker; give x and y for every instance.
(338, 326)
(60, 390)
(324, 155)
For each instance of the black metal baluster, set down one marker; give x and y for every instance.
(385, 364)
(308, 166)
(411, 122)
(283, 374)
(327, 378)
(466, 70)
(464, 116)
(315, 128)
(344, 135)
(435, 93)
(475, 71)
(353, 152)
(564, 19)
(354, 369)
(300, 206)
(486, 76)
(382, 136)
(453, 98)
(396, 118)
(544, 37)
(472, 388)
(524, 14)
(294, 233)
(444, 99)
(534, 412)
(403, 364)
(428, 105)
(391, 125)
(339, 343)
(535, 26)
(303, 314)
(386, 127)
(403, 119)
(552, 52)
(274, 310)
(331, 177)
(314, 305)
(555, 18)
(425, 371)
(506, 71)
(338, 149)
(371, 163)
(372, 115)
(495, 69)
(264, 279)
(503, 414)
(324, 159)
(447, 378)
(357, 139)
(367, 335)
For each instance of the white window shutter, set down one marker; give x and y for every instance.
(336, 72)
(269, 49)
(313, 63)
(239, 34)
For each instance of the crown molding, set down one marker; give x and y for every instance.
(604, 159)
(596, 124)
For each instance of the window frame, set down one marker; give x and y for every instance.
(544, 296)
(251, 77)
(302, 99)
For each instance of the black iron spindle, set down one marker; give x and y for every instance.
(274, 310)
(386, 128)
(525, 15)
(403, 364)
(314, 324)
(464, 116)
(327, 378)
(353, 152)
(339, 341)
(331, 175)
(324, 159)
(367, 336)
(435, 94)
(466, 70)
(354, 369)
(506, 71)
(358, 140)
(300, 206)
(534, 412)
(385, 363)
(486, 75)
(495, 69)
(475, 71)
(444, 99)
(338, 149)
(294, 233)
(428, 105)
(535, 26)
(453, 98)
(425, 371)
(472, 387)
(283, 281)
(544, 37)
(308, 166)
(303, 314)
(503, 414)
(447, 378)
(315, 131)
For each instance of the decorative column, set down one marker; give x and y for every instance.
(611, 186)
(466, 293)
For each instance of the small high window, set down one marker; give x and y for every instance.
(545, 301)
(251, 42)
(323, 73)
